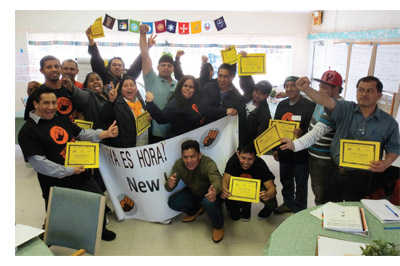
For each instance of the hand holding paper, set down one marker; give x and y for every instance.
(79, 169)
(288, 144)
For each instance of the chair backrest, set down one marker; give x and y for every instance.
(74, 219)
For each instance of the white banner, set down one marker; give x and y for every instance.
(135, 177)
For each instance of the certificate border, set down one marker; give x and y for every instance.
(78, 121)
(241, 179)
(296, 124)
(343, 142)
(70, 145)
(223, 55)
(141, 130)
(261, 152)
(243, 73)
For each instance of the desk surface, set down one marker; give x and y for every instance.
(34, 247)
(297, 235)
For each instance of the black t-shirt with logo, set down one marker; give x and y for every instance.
(49, 138)
(259, 169)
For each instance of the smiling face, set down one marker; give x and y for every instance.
(129, 89)
(116, 67)
(51, 70)
(46, 108)
(94, 83)
(291, 90)
(69, 69)
(188, 89)
(191, 158)
(246, 159)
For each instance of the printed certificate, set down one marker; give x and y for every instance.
(269, 139)
(84, 124)
(244, 189)
(251, 64)
(229, 56)
(142, 123)
(82, 153)
(97, 28)
(285, 128)
(357, 153)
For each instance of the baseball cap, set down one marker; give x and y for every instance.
(290, 78)
(331, 77)
(264, 86)
(166, 58)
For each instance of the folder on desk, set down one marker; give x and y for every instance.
(327, 246)
(347, 219)
(382, 209)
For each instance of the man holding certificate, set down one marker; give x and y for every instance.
(203, 186)
(244, 163)
(363, 132)
(293, 166)
(43, 140)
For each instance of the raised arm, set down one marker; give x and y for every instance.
(323, 99)
(96, 61)
(144, 50)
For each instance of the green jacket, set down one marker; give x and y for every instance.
(200, 179)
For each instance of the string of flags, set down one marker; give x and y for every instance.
(166, 25)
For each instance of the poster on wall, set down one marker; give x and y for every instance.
(387, 66)
(359, 64)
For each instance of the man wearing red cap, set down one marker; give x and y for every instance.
(318, 140)
(364, 121)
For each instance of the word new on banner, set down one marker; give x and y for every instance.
(135, 177)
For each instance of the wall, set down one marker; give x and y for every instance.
(293, 26)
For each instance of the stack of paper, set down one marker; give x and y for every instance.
(383, 210)
(335, 247)
(348, 219)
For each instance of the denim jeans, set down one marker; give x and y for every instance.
(185, 201)
(294, 180)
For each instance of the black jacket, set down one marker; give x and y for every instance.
(97, 63)
(213, 107)
(121, 112)
(257, 121)
(183, 118)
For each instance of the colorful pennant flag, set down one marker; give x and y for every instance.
(134, 26)
(122, 24)
(183, 27)
(220, 23)
(160, 26)
(150, 26)
(195, 27)
(109, 22)
(171, 26)
(206, 26)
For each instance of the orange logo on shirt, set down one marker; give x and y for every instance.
(246, 176)
(64, 105)
(59, 135)
(287, 117)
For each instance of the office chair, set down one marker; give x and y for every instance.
(74, 219)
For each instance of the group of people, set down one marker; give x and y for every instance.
(110, 99)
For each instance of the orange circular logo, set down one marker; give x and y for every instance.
(64, 105)
(245, 175)
(59, 135)
(287, 117)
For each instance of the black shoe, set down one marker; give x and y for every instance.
(282, 209)
(108, 235)
(264, 213)
(108, 210)
(245, 215)
(234, 217)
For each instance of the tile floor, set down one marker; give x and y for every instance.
(140, 238)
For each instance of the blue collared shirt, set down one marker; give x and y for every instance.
(351, 124)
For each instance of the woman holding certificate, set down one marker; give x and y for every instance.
(126, 108)
(181, 109)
